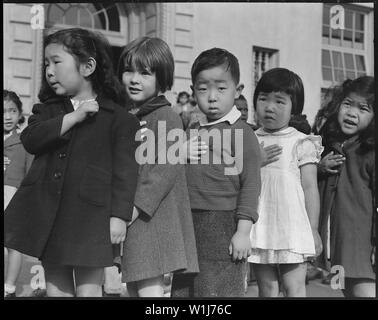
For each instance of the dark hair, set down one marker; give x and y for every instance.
(282, 80)
(181, 94)
(328, 107)
(213, 58)
(241, 98)
(12, 96)
(331, 131)
(299, 122)
(152, 53)
(83, 44)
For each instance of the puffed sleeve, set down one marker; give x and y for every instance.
(309, 150)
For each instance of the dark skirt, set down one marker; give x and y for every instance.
(219, 276)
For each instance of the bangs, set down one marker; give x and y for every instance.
(282, 80)
(151, 54)
(140, 59)
(277, 84)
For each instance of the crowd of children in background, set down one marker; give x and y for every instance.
(298, 196)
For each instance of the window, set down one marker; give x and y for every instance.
(99, 16)
(344, 50)
(264, 59)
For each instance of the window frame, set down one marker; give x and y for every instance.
(115, 38)
(345, 49)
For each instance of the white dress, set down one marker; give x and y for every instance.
(283, 233)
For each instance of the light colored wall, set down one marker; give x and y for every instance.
(20, 59)
(292, 28)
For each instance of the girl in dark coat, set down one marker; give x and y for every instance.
(347, 188)
(160, 239)
(78, 194)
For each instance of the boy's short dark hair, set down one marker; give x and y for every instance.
(282, 80)
(153, 53)
(213, 58)
(241, 98)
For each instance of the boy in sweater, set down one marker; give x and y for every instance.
(224, 185)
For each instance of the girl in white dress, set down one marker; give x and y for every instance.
(286, 234)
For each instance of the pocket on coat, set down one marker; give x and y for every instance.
(95, 186)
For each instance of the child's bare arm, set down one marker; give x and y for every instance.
(312, 201)
(249, 160)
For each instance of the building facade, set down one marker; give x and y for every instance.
(297, 36)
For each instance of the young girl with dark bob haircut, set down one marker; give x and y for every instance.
(160, 239)
(286, 234)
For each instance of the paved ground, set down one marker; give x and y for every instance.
(314, 289)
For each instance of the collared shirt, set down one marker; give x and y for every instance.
(230, 117)
(7, 135)
(76, 103)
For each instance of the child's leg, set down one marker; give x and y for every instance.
(294, 279)
(132, 289)
(359, 288)
(153, 287)
(59, 280)
(267, 279)
(112, 280)
(89, 281)
(182, 285)
(14, 267)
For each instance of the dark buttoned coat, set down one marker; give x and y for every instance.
(61, 212)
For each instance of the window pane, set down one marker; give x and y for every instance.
(92, 8)
(71, 16)
(99, 21)
(113, 18)
(326, 15)
(361, 74)
(348, 35)
(339, 75)
(351, 75)
(326, 31)
(349, 63)
(64, 6)
(348, 39)
(55, 14)
(359, 37)
(85, 18)
(327, 74)
(359, 21)
(360, 61)
(326, 58)
(337, 61)
(348, 19)
(336, 34)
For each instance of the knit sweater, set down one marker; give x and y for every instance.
(212, 184)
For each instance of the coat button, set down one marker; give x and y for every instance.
(62, 155)
(57, 175)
